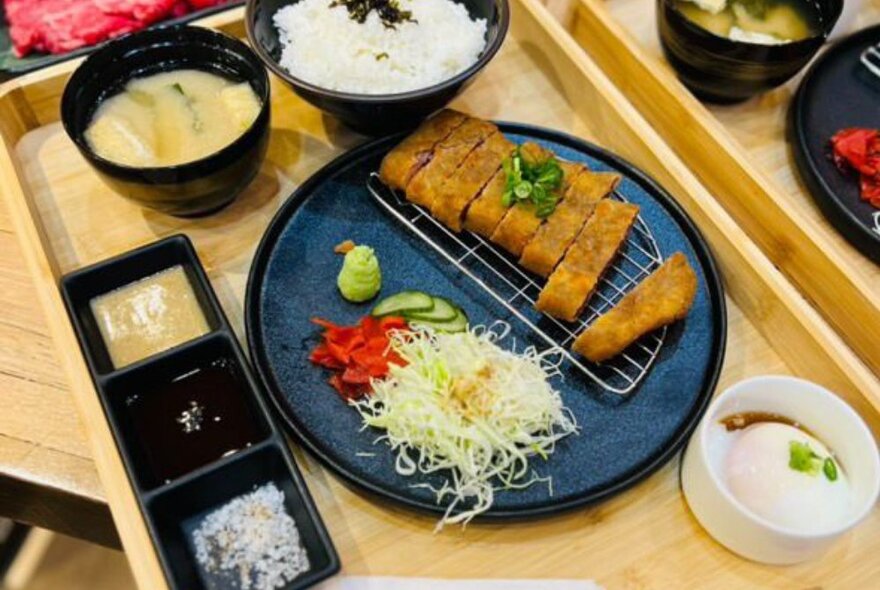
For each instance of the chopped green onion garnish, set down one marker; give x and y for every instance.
(537, 183)
(829, 469)
(802, 458)
(523, 189)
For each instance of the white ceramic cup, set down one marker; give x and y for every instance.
(831, 420)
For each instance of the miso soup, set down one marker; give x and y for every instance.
(765, 22)
(172, 118)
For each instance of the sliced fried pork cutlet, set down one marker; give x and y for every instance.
(570, 172)
(401, 163)
(487, 210)
(465, 184)
(517, 227)
(546, 249)
(662, 298)
(521, 222)
(448, 156)
(575, 279)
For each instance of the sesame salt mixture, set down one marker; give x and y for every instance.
(191, 419)
(254, 539)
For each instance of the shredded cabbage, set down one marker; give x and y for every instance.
(465, 407)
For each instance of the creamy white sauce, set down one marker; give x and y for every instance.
(148, 316)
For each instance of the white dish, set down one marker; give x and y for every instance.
(825, 415)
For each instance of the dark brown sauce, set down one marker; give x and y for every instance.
(193, 420)
(742, 420)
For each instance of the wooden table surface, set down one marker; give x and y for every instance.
(47, 477)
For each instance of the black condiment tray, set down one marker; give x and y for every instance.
(168, 507)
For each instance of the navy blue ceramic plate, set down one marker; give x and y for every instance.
(838, 92)
(622, 441)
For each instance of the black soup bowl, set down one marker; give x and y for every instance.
(376, 114)
(194, 188)
(720, 70)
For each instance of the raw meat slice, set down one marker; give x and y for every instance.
(145, 12)
(60, 26)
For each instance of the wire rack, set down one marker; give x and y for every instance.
(499, 275)
(870, 58)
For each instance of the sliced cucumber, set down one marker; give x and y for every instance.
(443, 311)
(421, 309)
(404, 303)
(459, 323)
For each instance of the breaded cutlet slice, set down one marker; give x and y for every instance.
(554, 236)
(403, 161)
(665, 296)
(521, 221)
(575, 279)
(448, 156)
(486, 211)
(465, 184)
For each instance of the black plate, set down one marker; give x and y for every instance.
(622, 441)
(838, 92)
(12, 66)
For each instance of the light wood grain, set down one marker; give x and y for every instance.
(641, 539)
(72, 565)
(47, 476)
(741, 155)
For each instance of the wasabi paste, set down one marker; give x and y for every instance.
(360, 278)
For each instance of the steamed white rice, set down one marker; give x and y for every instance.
(327, 48)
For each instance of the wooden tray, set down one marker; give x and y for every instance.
(65, 218)
(741, 155)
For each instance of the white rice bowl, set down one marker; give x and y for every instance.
(327, 48)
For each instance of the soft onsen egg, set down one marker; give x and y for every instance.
(758, 474)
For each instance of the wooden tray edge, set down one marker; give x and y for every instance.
(16, 118)
(795, 244)
(35, 247)
(777, 308)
